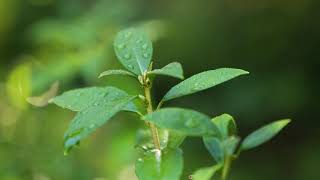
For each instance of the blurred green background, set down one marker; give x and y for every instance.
(42, 41)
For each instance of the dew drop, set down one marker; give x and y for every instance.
(121, 46)
(96, 104)
(128, 34)
(145, 55)
(144, 46)
(92, 126)
(130, 66)
(79, 94)
(127, 56)
(191, 123)
(139, 41)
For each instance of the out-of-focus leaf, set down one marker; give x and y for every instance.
(160, 165)
(230, 145)
(173, 69)
(185, 121)
(202, 81)
(81, 99)
(226, 125)
(134, 50)
(43, 99)
(91, 118)
(263, 134)
(206, 173)
(215, 148)
(116, 72)
(175, 139)
(19, 85)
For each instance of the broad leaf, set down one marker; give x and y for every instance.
(81, 99)
(116, 72)
(206, 173)
(173, 69)
(185, 121)
(160, 165)
(263, 134)
(202, 81)
(215, 148)
(134, 50)
(88, 120)
(226, 125)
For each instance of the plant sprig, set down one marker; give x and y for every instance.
(162, 159)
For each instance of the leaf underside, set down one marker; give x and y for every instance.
(206, 173)
(173, 69)
(116, 72)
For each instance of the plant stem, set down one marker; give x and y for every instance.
(226, 168)
(154, 130)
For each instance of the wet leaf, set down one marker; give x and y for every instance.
(88, 120)
(160, 165)
(173, 69)
(185, 121)
(206, 173)
(202, 81)
(116, 72)
(134, 50)
(263, 134)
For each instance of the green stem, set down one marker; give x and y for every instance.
(226, 168)
(154, 130)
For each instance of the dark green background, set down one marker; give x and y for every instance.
(276, 40)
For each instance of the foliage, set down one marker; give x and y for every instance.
(162, 159)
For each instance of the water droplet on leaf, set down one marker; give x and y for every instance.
(127, 56)
(144, 46)
(145, 55)
(191, 123)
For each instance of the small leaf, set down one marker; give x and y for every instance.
(263, 134)
(91, 118)
(44, 98)
(185, 121)
(175, 139)
(226, 125)
(160, 165)
(116, 72)
(202, 81)
(230, 145)
(215, 148)
(134, 50)
(81, 99)
(206, 173)
(173, 69)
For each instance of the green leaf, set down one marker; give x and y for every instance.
(173, 69)
(226, 125)
(134, 50)
(230, 145)
(263, 134)
(215, 148)
(116, 72)
(175, 139)
(185, 121)
(160, 165)
(206, 173)
(88, 120)
(83, 98)
(202, 81)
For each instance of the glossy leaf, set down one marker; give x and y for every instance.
(263, 134)
(88, 120)
(116, 72)
(226, 125)
(206, 173)
(202, 81)
(215, 148)
(160, 165)
(173, 69)
(134, 50)
(81, 99)
(185, 121)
